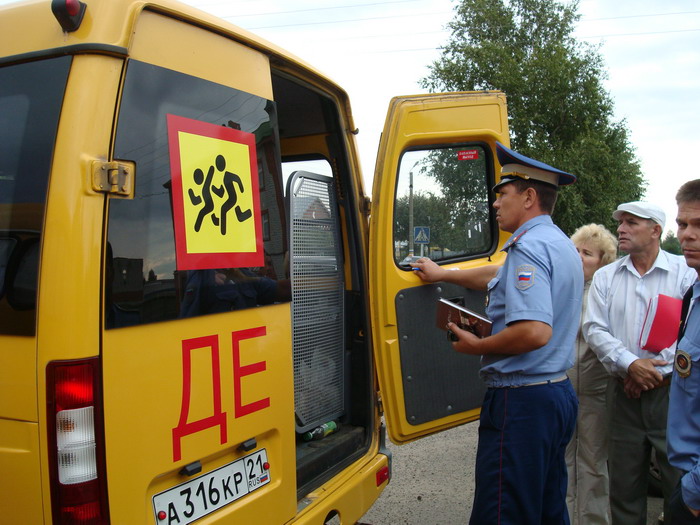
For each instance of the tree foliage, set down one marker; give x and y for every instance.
(559, 111)
(671, 244)
(429, 210)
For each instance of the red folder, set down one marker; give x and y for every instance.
(660, 327)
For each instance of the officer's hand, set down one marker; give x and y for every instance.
(467, 342)
(644, 373)
(428, 270)
(694, 512)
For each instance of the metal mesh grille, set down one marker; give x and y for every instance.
(317, 301)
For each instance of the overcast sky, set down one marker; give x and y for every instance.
(378, 49)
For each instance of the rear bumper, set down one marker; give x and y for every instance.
(352, 498)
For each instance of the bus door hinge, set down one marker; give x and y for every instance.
(115, 178)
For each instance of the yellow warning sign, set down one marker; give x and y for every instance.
(216, 208)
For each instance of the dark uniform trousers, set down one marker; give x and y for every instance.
(521, 475)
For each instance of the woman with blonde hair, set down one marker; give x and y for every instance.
(587, 453)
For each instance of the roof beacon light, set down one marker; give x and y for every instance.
(69, 13)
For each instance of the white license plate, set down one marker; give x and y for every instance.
(198, 497)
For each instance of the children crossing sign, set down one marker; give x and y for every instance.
(421, 234)
(216, 205)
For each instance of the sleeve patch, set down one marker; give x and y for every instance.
(524, 276)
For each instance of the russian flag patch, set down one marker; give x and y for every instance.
(524, 276)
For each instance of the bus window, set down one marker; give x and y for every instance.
(442, 208)
(30, 105)
(144, 284)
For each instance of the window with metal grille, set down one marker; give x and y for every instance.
(317, 300)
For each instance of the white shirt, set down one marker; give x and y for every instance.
(617, 304)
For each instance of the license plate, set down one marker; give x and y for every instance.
(198, 497)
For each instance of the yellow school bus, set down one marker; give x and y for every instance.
(202, 316)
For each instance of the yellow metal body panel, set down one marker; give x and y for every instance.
(152, 356)
(21, 496)
(421, 120)
(183, 47)
(68, 313)
(18, 378)
(68, 302)
(145, 391)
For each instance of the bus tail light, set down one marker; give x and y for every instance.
(76, 443)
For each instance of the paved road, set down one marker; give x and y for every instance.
(432, 482)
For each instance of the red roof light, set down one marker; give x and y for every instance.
(69, 13)
(73, 7)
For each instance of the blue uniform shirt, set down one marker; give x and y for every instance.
(683, 431)
(541, 280)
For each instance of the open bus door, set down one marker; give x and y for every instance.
(435, 168)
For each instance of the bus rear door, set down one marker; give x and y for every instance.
(431, 198)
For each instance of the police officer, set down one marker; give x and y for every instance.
(529, 411)
(683, 432)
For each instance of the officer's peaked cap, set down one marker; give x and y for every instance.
(515, 166)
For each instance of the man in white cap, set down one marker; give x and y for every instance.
(529, 410)
(638, 396)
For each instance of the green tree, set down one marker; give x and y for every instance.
(670, 243)
(428, 210)
(558, 110)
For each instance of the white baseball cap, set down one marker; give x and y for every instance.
(645, 210)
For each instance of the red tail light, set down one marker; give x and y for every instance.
(76, 443)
